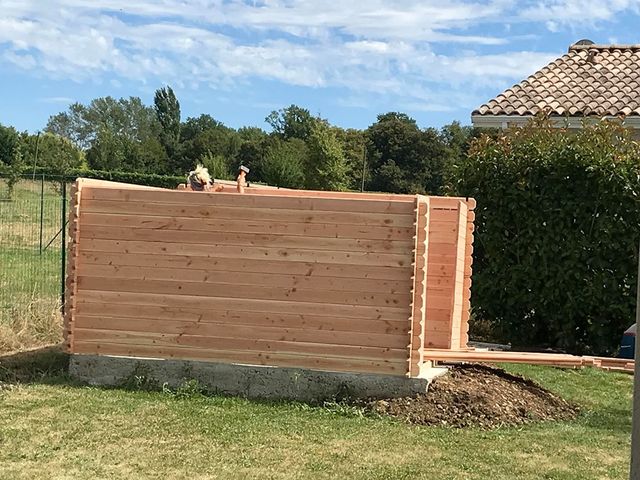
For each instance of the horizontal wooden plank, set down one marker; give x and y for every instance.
(239, 344)
(245, 278)
(224, 290)
(230, 330)
(289, 202)
(436, 300)
(242, 357)
(507, 357)
(443, 236)
(316, 321)
(258, 190)
(245, 239)
(446, 202)
(443, 216)
(442, 249)
(437, 258)
(233, 213)
(247, 304)
(90, 183)
(249, 253)
(440, 282)
(438, 326)
(437, 339)
(251, 266)
(437, 314)
(361, 232)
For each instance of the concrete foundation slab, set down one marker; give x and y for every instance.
(275, 383)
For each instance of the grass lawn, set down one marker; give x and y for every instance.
(53, 429)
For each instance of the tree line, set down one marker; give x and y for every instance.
(297, 150)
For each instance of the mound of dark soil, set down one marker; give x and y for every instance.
(477, 395)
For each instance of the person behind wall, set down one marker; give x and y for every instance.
(199, 180)
(242, 178)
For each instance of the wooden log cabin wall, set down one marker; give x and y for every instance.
(320, 280)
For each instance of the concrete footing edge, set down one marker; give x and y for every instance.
(274, 383)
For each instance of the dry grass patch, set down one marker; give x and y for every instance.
(32, 324)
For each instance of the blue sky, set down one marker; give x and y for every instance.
(237, 60)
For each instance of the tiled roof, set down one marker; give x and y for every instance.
(597, 80)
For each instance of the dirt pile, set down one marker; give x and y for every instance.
(477, 395)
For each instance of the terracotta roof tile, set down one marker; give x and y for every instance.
(589, 80)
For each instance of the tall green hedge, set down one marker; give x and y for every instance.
(149, 179)
(558, 225)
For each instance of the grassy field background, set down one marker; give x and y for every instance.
(30, 279)
(51, 428)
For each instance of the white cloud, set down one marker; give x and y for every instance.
(62, 100)
(576, 12)
(388, 47)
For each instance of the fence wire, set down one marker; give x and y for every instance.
(31, 246)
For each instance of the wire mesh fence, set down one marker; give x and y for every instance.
(32, 239)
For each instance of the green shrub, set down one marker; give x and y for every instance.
(217, 165)
(558, 225)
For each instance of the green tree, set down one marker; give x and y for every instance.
(217, 165)
(458, 138)
(354, 144)
(291, 122)
(327, 168)
(9, 141)
(55, 153)
(125, 128)
(73, 125)
(149, 155)
(108, 152)
(203, 135)
(283, 164)
(167, 110)
(405, 159)
(14, 170)
(254, 144)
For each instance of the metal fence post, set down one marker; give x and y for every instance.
(41, 209)
(635, 432)
(63, 245)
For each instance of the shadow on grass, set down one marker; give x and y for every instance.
(46, 365)
(608, 418)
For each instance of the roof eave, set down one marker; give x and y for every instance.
(505, 121)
